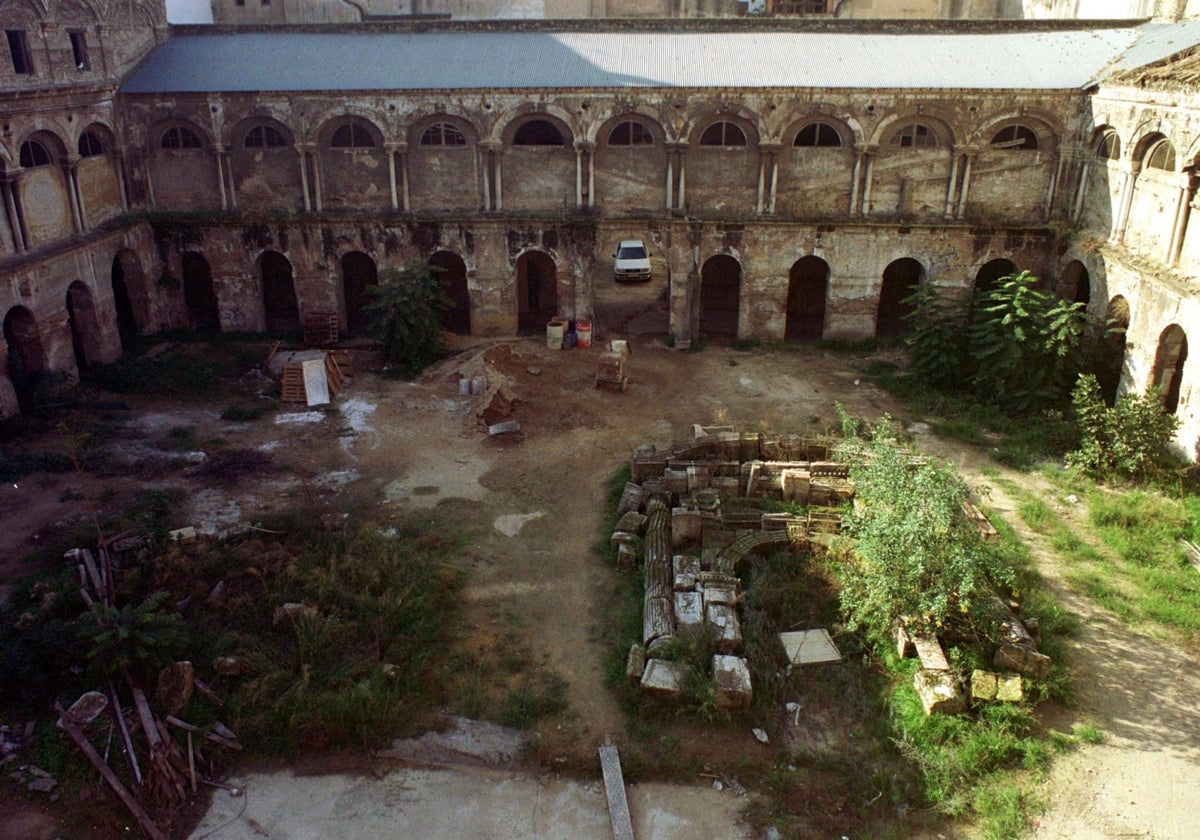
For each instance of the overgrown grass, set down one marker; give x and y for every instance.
(1126, 556)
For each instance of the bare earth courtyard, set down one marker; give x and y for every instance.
(533, 510)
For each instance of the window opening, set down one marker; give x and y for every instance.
(33, 154)
(179, 137)
(18, 47)
(630, 133)
(819, 135)
(538, 133)
(1161, 156)
(264, 137)
(723, 133)
(90, 145)
(1015, 137)
(1108, 147)
(916, 136)
(352, 136)
(79, 50)
(443, 134)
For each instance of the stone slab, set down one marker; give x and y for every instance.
(929, 651)
(316, 381)
(723, 627)
(614, 788)
(809, 647)
(663, 679)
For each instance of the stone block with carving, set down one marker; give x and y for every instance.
(689, 608)
(732, 677)
(723, 627)
(687, 570)
(939, 692)
(632, 522)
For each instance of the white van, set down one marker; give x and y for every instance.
(631, 262)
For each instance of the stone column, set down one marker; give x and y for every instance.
(1052, 189)
(1187, 191)
(949, 210)
(9, 188)
(968, 159)
(855, 178)
(216, 150)
(391, 150)
(1126, 202)
(768, 176)
(487, 150)
(318, 194)
(869, 153)
(70, 170)
(302, 153)
(226, 162)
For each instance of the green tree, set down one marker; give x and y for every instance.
(916, 556)
(1026, 347)
(1127, 440)
(405, 313)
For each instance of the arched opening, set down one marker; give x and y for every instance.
(900, 280)
(1168, 365)
(1112, 348)
(989, 274)
(453, 278)
(26, 360)
(358, 274)
(199, 295)
(124, 274)
(808, 284)
(280, 310)
(720, 296)
(1074, 285)
(537, 291)
(85, 329)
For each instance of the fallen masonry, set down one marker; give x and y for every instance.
(693, 511)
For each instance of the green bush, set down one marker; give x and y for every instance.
(1127, 440)
(917, 556)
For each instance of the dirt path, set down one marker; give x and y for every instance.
(1144, 779)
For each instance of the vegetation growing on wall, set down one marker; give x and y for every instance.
(1126, 440)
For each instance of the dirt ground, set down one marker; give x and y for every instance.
(532, 507)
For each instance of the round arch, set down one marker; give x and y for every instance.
(1112, 348)
(602, 135)
(453, 279)
(808, 288)
(280, 308)
(892, 124)
(747, 122)
(989, 274)
(537, 290)
(847, 135)
(199, 294)
(1169, 358)
(26, 357)
(417, 138)
(130, 296)
(1044, 126)
(358, 273)
(720, 297)
(526, 122)
(901, 279)
(1074, 283)
(330, 126)
(86, 342)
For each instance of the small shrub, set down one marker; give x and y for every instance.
(405, 312)
(1127, 440)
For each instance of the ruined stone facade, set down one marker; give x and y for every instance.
(774, 213)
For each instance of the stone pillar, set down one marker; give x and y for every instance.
(768, 176)
(1126, 200)
(1053, 187)
(855, 178)
(869, 153)
(1187, 191)
(225, 162)
(8, 188)
(70, 170)
(216, 150)
(302, 154)
(391, 151)
(969, 159)
(949, 211)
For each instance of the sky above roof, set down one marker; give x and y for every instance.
(348, 60)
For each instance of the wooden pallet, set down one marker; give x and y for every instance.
(320, 329)
(291, 383)
(334, 374)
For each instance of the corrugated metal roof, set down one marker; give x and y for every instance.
(368, 61)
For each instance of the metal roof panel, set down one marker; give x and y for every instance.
(384, 61)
